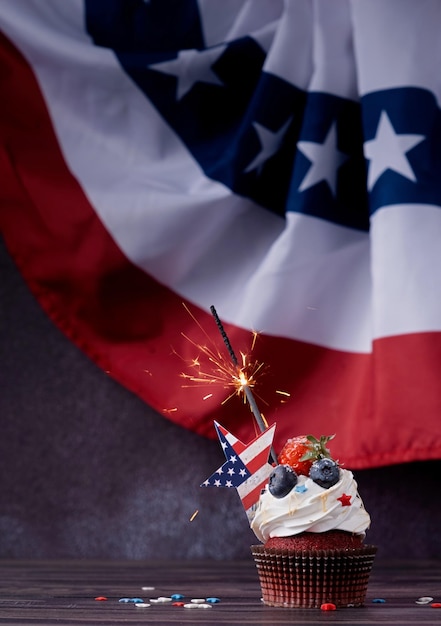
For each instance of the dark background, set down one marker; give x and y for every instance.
(87, 470)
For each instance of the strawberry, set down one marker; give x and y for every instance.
(300, 452)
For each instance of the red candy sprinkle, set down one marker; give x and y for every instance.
(328, 606)
(436, 605)
(178, 604)
(101, 598)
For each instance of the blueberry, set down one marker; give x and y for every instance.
(325, 472)
(282, 479)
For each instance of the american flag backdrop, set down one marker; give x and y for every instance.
(280, 160)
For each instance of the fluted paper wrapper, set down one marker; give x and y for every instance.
(308, 579)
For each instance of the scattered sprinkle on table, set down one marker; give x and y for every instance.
(424, 600)
(101, 598)
(328, 606)
(147, 588)
(134, 600)
(436, 605)
(175, 599)
(379, 600)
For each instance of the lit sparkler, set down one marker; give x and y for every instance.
(234, 376)
(239, 376)
(244, 382)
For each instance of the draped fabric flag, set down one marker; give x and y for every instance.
(278, 160)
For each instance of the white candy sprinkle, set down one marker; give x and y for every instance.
(191, 606)
(164, 599)
(155, 600)
(147, 588)
(424, 600)
(205, 605)
(142, 605)
(198, 600)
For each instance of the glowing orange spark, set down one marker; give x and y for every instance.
(255, 335)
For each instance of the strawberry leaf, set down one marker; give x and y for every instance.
(317, 448)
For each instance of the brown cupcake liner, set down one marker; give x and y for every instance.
(308, 579)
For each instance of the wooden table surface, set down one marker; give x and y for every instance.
(64, 592)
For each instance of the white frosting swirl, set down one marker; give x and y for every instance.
(311, 508)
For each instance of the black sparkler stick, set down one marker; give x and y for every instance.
(248, 393)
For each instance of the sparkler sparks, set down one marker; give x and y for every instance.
(213, 368)
(283, 393)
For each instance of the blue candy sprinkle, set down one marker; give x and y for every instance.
(212, 600)
(136, 600)
(125, 600)
(379, 600)
(301, 489)
(177, 596)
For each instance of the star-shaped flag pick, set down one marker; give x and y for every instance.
(246, 468)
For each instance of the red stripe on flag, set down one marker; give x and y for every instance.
(260, 459)
(253, 496)
(237, 445)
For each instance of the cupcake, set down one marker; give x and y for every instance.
(311, 523)
(306, 512)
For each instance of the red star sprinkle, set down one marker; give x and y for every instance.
(345, 500)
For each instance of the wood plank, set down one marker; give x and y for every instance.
(63, 593)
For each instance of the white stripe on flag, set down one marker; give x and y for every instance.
(257, 446)
(258, 479)
(406, 288)
(390, 62)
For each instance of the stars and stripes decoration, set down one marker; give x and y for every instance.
(246, 468)
(279, 160)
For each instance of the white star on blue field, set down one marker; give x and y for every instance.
(387, 151)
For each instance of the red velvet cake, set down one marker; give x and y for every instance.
(330, 540)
